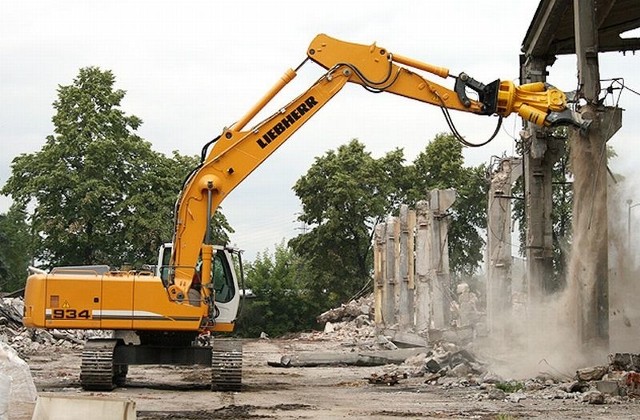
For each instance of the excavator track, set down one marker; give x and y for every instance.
(226, 365)
(97, 371)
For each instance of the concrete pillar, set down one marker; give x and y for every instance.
(589, 261)
(411, 270)
(405, 269)
(499, 244)
(390, 292)
(422, 246)
(541, 153)
(378, 274)
(588, 265)
(440, 279)
(588, 269)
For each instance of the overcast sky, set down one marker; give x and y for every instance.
(190, 68)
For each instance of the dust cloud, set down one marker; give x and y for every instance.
(560, 333)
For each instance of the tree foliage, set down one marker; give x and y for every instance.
(283, 301)
(344, 195)
(347, 192)
(15, 249)
(100, 194)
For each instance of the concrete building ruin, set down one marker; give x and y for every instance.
(412, 289)
(559, 27)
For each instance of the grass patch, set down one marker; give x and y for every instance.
(510, 387)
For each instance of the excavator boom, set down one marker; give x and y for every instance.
(239, 151)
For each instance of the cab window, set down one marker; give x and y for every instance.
(222, 278)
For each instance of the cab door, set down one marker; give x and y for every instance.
(225, 286)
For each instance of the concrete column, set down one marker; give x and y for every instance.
(541, 152)
(499, 244)
(440, 201)
(422, 295)
(378, 274)
(390, 292)
(405, 255)
(588, 269)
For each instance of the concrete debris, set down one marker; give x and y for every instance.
(557, 394)
(575, 386)
(352, 325)
(593, 397)
(625, 362)
(608, 387)
(632, 383)
(97, 407)
(591, 373)
(349, 311)
(384, 342)
(496, 394)
(11, 311)
(491, 378)
(352, 358)
(516, 397)
(30, 341)
(385, 379)
(448, 364)
(5, 389)
(328, 328)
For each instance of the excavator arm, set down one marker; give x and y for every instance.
(239, 151)
(377, 69)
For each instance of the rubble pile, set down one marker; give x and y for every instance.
(29, 341)
(349, 311)
(351, 324)
(444, 360)
(449, 365)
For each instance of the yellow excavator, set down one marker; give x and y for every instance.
(158, 315)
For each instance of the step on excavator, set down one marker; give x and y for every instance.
(160, 316)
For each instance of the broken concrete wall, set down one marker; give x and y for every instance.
(411, 261)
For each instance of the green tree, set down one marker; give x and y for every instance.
(15, 249)
(100, 194)
(283, 302)
(344, 195)
(441, 165)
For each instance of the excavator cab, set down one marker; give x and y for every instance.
(224, 285)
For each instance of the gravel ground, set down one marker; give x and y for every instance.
(166, 392)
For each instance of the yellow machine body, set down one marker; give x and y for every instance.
(95, 298)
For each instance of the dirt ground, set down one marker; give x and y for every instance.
(165, 392)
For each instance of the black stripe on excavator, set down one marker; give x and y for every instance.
(125, 317)
(287, 122)
(149, 318)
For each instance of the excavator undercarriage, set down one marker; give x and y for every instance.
(105, 362)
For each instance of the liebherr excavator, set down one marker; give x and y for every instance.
(157, 316)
